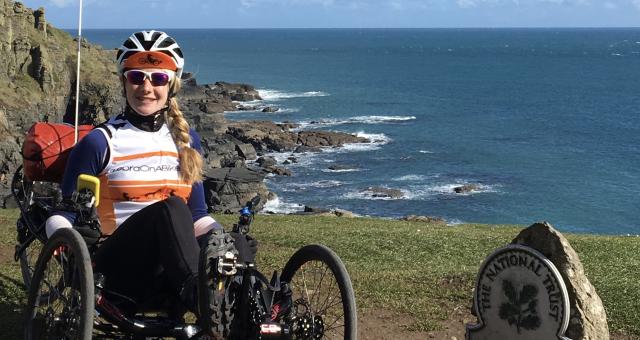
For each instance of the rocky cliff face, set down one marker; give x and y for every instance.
(37, 78)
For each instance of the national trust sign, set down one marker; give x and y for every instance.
(519, 294)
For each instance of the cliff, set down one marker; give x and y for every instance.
(37, 78)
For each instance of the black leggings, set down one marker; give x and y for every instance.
(155, 247)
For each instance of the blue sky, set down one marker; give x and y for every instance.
(341, 13)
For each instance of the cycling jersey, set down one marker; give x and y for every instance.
(136, 168)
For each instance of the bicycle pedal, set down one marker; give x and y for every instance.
(227, 264)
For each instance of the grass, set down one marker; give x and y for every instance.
(420, 270)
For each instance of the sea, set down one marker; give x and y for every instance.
(545, 122)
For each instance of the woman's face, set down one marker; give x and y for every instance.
(146, 98)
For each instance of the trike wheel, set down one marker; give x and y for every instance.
(28, 260)
(61, 296)
(214, 289)
(324, 305)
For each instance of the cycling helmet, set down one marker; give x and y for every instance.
(150, 49)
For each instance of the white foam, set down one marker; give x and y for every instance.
(276, 206)
(341, 170)
(410, 178)
(275, 95)
(425, 151)
(288, 110)
(324, 122)
(381, 119)
(376, 140)
(454, 222)
(447, 189)
(370, 195)
(379, 138)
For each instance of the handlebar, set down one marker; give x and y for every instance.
(246, 216)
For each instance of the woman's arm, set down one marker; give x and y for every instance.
(87, 157)
(202, 221)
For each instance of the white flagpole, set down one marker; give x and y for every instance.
(78, 73)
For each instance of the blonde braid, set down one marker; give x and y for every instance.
(189, 158)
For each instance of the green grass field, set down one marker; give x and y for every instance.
(419, 270)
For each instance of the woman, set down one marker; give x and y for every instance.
(148, 160)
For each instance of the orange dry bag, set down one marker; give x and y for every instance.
(46, 149)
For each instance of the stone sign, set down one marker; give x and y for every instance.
(519, 294)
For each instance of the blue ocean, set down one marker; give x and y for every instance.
(545, 122)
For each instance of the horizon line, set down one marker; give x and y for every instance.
(363, 28)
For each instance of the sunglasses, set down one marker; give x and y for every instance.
(157, 78)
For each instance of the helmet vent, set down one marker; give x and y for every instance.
(166, 43)
(129, 44)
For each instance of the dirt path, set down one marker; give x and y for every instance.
(383, 324)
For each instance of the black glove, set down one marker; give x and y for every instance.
(247, 247)
(90, 232)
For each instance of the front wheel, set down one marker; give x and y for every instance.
(61, 294)
(324, 305)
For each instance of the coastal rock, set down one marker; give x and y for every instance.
(276, 170)
(246, 108)
(381, 192)
(343, 213)
(341, 167)
(327, 138)
(326, 212)
(266, 161)
(304, 148)
(230, 188)
(467, 188)
(270, 109)
(424, 219)
(264, 135)
(204, 122)
(213, 107)
(588, 319)
(239, 92)
(246, 151)
(315, 210)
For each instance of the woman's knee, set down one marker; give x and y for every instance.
(178, 210)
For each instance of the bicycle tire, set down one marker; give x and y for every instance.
(214, 298)
(64, 275)
(308, 267)
(28, 259)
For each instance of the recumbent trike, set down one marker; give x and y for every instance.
(311, 299)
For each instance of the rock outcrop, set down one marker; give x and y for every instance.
(37, 78)
(228, 189)
(588, 319)
(382, 192)
(424, 219)
(269, 136)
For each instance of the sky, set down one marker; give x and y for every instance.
(340, 13)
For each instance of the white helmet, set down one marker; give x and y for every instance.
(158, 50)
